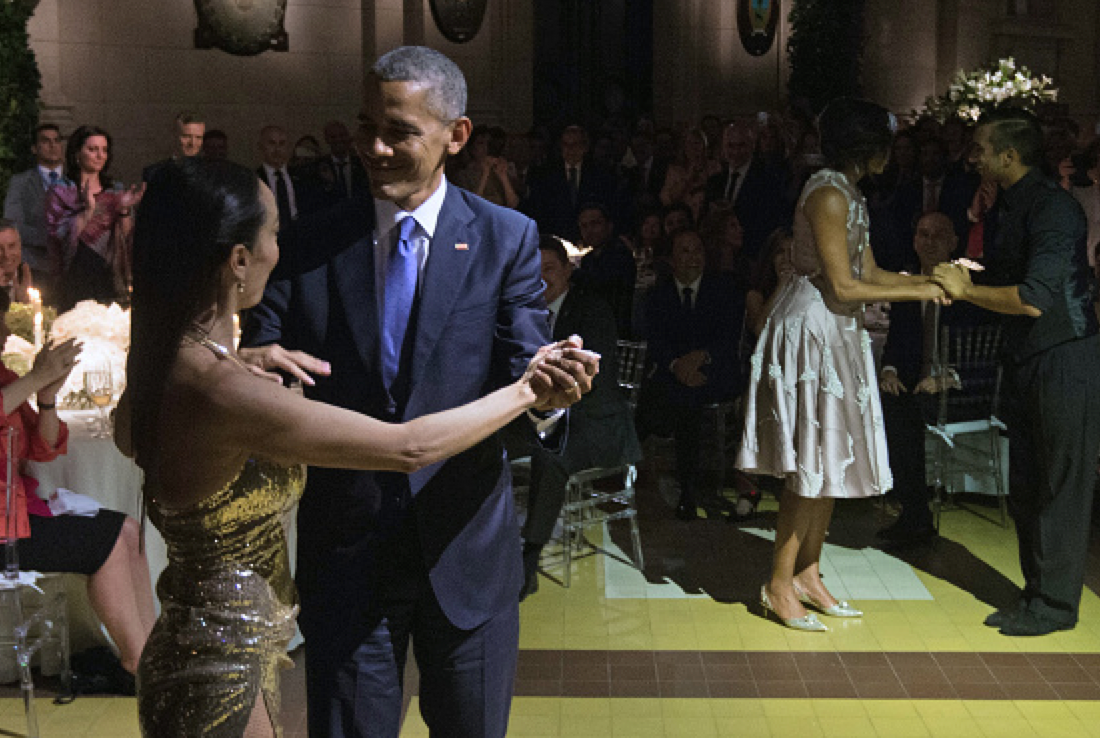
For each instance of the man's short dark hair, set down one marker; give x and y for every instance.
(554, 245)
(443, 79)
(595, 205)
(186, 118)
(6, 224)
(1015, 128)
(216, 133)
(45, 127)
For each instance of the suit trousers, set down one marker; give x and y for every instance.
(1053, 414)
(354, 677)
(905, 415)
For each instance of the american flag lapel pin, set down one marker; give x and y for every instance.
(462, 247)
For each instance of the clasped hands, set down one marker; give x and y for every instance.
(561, 373)
(688, 368)
(954, 279)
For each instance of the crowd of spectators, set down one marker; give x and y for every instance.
(636, 203)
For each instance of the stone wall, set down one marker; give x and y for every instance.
(130, 66)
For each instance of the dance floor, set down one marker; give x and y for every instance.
(684, 649)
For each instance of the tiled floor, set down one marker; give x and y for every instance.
(685, 651)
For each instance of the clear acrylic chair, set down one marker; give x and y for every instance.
(967, 433)
(631, 356)
(28, 628)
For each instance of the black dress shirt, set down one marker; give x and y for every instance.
(1041, 247)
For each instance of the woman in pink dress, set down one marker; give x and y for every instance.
(812, 408)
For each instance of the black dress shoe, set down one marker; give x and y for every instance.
(1000, 617)
(1028, 623)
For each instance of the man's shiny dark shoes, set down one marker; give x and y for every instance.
(1026, 623)
(1000, 617)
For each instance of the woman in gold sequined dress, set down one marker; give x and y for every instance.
(223, 450)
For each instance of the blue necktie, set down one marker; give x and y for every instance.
(401, 274)
(54, 178)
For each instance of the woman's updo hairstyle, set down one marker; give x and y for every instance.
(853, 132)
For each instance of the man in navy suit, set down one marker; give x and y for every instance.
(692, 324)
(431, 557)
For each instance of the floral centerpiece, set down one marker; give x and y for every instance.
(1003, 83)
(105, 334)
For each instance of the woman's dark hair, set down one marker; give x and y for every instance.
(766, 278)
(853, 132)
(5, 302)
(72, 155)
(192, 215)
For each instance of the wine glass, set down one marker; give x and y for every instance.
(98, 385)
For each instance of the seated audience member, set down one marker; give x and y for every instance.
(650, 248)
(758, 200)
(677, 217)
(341, 173)
(560, 188)
(89, 222)
(608, 270)
(104, 547)
(25, 203)
(486, 171)
(188, 133)
(937, 189)
(15, 274)
(601, 430)
(645, 178)
(215, 145)
(692, 322)
(287, 185)
(1089, 196)
(774, 267)
(724, 241)
(909, 385)
(690, 170)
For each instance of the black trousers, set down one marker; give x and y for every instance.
(1053, 414)
(905, 416)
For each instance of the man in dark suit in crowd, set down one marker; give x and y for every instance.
(744, 184)
(909, 386)
(342, 175)
(646, 178)
(295, 195)
(601, 428)
(559, 189)
(433, 302)
(692, 324)
(608, 270)
(189, 133)
(1042, 285)
(25, 203)
(938, 190)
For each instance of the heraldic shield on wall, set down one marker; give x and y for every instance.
(756, 24)
(241, 27)
(458, 20)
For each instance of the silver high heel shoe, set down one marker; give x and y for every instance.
(840, 610)
(808, 623)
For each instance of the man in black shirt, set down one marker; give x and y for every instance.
(1040, 280)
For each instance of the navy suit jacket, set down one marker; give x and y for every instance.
(481, 317)
(760, 205)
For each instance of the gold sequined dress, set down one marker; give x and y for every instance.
(228, 605)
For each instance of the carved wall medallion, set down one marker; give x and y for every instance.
(756, 24)
(241, 27)
(458, 20)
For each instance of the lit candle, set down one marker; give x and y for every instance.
(36, 305)
(236, 331)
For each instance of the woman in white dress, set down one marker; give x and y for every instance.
(812, 409)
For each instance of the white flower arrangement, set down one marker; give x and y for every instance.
(1002, 83)
(104, 332)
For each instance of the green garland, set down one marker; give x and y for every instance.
(19, 86)
(825, 50)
